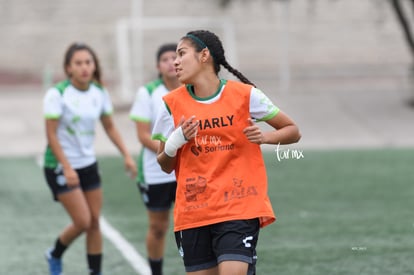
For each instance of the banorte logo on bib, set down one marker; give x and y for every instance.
(209, 144)
(196, 150)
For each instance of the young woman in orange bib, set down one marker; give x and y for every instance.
(209, 138)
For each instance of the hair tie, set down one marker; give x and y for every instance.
(199, 42)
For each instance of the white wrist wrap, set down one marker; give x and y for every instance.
(174, 142)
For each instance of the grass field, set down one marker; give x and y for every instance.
(339, 212)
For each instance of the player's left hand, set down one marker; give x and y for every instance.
(253, 132)
(130, 167)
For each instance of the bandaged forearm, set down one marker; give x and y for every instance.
(174, 142)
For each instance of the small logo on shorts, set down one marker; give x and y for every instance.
(61, 180)
(181, 251)
(246, 241)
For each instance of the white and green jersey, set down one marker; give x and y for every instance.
(77, 112)
(146, 105)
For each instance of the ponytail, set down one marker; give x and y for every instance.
(236, 73)
(202, 39)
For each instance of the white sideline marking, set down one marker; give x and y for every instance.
(138, 263)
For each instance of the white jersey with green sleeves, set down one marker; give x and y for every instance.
(261, 109)
(147, 102)
(77, 112)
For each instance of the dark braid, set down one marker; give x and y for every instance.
(238, 74)
(216, 49)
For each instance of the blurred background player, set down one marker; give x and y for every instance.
(71, 110)
(157, 187)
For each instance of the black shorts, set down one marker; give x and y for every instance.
(88, 176)
(207, 246)
(158, 197)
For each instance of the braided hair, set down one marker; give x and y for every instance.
(202, 39)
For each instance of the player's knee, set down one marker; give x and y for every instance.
(159, 230)
(94, 224)
(83, 223)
